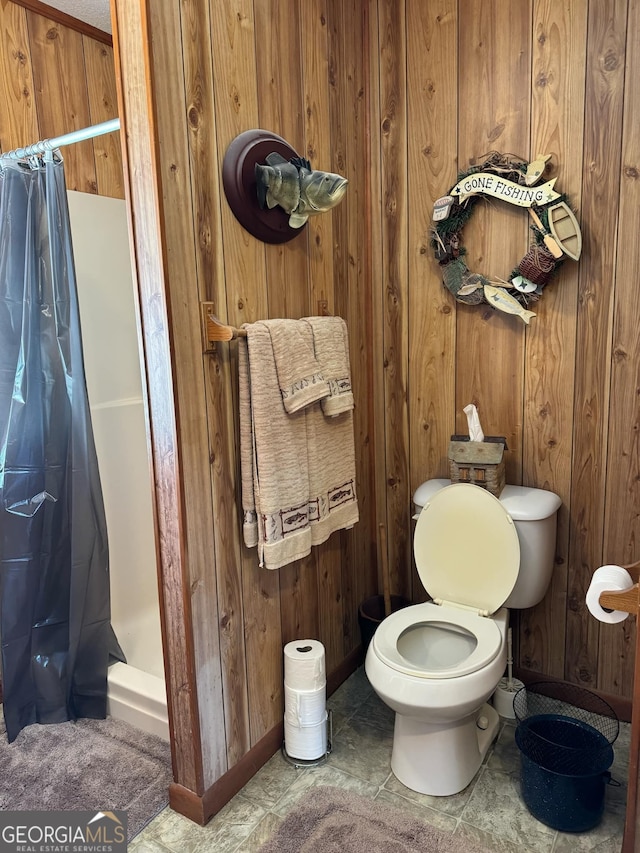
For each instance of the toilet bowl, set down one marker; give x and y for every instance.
(435, 664)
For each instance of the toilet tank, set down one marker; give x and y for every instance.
(534, 513)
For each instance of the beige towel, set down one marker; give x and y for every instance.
(333, 504)
(249, 516)
(331, 348)
(299, 373)
(275, 473)
(298, 469)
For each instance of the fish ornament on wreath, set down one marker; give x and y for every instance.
(556, 233)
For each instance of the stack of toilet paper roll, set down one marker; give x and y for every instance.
(305, 696)
(607, 579)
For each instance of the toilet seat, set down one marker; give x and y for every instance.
(483, 632)
(467, 549)
(467, 555)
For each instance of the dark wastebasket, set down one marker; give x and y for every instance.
(371, 614)
(565, 736)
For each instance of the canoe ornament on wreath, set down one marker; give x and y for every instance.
(556, 233)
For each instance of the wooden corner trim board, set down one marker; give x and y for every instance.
(201, 808)
(66, 20)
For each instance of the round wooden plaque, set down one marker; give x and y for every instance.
(239, 182)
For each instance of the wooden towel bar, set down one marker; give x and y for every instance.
(214, 330)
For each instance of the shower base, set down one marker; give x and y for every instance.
(138, 698)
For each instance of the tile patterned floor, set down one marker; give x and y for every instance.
(489, 811)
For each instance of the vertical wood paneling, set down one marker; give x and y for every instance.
(315, 59)
(200, 110)
(358, 544)
(375, 270)
(61, 95)
(393, 133)
(559, 45)
(444, 83)
(280, 107)
(18, 120)
(134, 98)
(539, 77)
(236, 102)
(622, 509)
(184, 296)
(103, 106)
(601, 164)
(340, 159)
(493, 86)
(53, 80)
(432, 39)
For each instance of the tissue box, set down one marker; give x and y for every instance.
(478, 462)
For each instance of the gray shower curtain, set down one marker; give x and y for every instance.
(55, 623)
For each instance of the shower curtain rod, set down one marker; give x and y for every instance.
(48, 146)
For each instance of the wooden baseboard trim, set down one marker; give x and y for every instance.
(620, 704)
(200, 808)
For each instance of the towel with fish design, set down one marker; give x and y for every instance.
(331, 349)
(298, 468)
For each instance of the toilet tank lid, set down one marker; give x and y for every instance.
(523, 503)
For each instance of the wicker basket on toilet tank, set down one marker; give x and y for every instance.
(478, 462)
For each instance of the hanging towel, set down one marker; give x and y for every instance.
(249, 515)
(275, 470)
(297, 469)
(331, 348)
(299, 373)
(333, 503)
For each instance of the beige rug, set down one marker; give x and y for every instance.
(332, 819)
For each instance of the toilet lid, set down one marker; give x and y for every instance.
(466, 548)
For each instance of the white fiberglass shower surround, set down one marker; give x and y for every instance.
(136, 690)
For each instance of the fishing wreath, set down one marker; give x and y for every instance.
(556, 233)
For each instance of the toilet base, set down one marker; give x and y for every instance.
(441, 759)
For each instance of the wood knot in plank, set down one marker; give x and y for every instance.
(194, 116)
(620, 354)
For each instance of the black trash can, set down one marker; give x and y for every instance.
(565, 736)
(371, 614)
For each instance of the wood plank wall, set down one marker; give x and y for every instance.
(216, 71)
(532, 77)
(397, 95)
(55, 79)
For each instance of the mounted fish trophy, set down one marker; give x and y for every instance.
(297, 188)
(271, 190)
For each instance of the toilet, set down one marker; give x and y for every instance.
(436, 664)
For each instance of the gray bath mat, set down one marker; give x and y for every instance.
(100, 765)
(332, 820)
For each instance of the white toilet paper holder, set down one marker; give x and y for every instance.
(628, 600)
